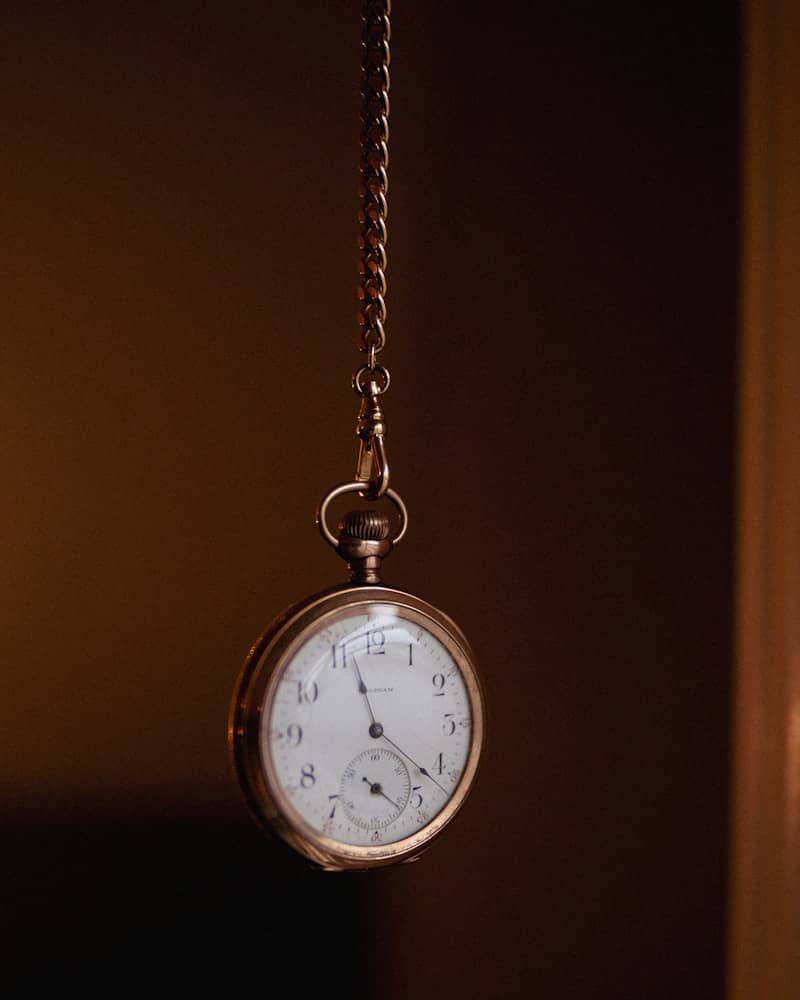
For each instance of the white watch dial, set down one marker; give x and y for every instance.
(368, 727)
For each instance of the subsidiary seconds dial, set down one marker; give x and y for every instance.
(368, 726)
(375, 802)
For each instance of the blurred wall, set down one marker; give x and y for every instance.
(179, 304)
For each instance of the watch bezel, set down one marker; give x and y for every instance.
(259, 677)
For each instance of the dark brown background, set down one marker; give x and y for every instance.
(178, 282)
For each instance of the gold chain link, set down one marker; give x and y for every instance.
(372, 379)
(374, 178)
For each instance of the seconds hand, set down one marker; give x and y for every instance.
(377, 789)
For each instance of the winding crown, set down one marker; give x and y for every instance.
(366, 525)
(363, 542)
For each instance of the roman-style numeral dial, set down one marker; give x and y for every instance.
(359, 726)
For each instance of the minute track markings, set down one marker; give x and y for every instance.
(332, 729)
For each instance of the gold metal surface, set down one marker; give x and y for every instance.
(372, 466)
(363, 556)
(252, 701)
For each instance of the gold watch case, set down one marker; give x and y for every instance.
(252, 701)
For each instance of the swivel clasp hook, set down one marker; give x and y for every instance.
(372, 467)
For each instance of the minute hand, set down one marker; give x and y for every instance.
(416, 765)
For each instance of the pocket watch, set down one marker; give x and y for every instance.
(357, 721)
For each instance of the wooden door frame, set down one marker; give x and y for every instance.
(764, 912)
